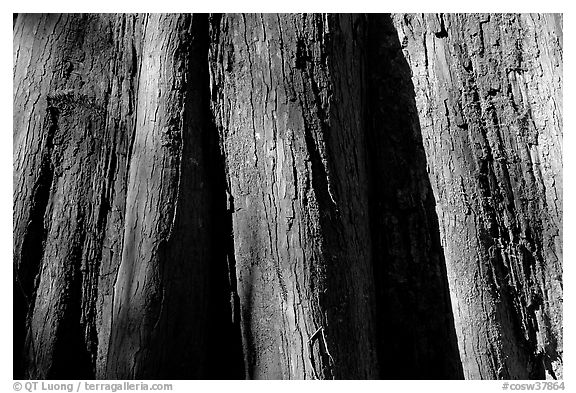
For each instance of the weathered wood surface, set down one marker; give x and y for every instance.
(289, 106)
(288, 196)
(488, 91)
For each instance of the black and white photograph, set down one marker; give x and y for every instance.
(287, 196)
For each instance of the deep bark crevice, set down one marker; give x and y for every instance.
(72, 358)
(30, 260)
(419, 342)
(225, 356)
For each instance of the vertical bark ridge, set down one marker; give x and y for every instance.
(121, 119)
(32, 173)
(160, 301)
(55, 58)
(76, 80)
(302, 259)
(488, 91)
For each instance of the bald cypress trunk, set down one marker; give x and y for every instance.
(118, 267)
(160, 303)
(488, 89)
(72, 136)
(289, 105)
(287, 196)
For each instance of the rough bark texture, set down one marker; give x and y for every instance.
(489, 97)
(115, 233)
(289, 104)
(160, 302)
(71, 137)
(287, 196)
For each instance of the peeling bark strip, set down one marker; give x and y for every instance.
(489, 99)
(289, 105)
(287, 196)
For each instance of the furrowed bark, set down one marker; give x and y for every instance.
(287, 196)
(489, 93)
(287, 93)
(77, 87)
(159, 325)
(71, 134)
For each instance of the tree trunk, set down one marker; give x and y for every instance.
(289, 106)
(489, 96)
(71, 141)
(115, 234)
(166, 249)
(287, 196)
